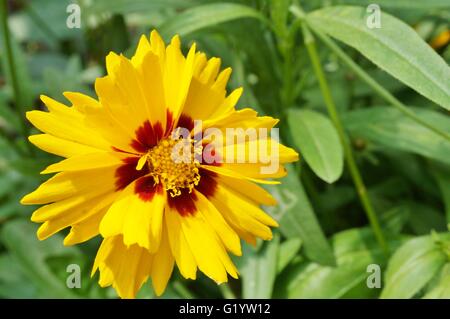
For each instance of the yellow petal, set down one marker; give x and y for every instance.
(247, 227)
(142, 49)
(162, 265)
(208, 251)
(125, 268)
(157, 45)
(245, 118)
(248, 189)
(138, 220)
(58, 217)
(87, 162)
(180, 249)
(151, 76)
(215, 220)
(59, 146)
(235, 173)
(73, 130)
(81, 101)
(84, 230)
(109, 127)
(201, 101)
(242, 204)
(67, 184)
(119, 104)
(177, 75)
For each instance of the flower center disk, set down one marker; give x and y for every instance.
(173, 164)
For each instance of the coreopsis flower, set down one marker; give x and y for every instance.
(125, 176)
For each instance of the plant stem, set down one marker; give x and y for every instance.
(10, 62)
(182, 290)
(382, 92)
(351, 163)
(226, 291)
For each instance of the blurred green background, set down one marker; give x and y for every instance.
(325, 243)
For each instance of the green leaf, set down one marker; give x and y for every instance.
(258, 268)
(402, 4)
(205, 16)
(7, 153)
(288, 250)
(390, 128)
(354, 249)
(8, 119)
(424, 218)
(298, 220)
(13, 283)
(395, 218)
(19, 237)
(395, 48)
(134, 6)
(412, 266)
(441, 290)
(318, 141)
(316, 281)
(56, 80)
(8, 181)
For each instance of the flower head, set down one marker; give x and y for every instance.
(152, 167)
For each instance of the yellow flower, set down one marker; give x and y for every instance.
(120, 179)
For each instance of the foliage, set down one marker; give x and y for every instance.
(366, 108)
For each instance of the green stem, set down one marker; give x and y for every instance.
(226, 291)
(382, 92)
(350, 160)
(10, 62)
(182, 290)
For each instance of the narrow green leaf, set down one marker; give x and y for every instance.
(317, 281)
(423, 218)
(13, 283)
(205, 16)
(287, 252)
(18, 236)
(354, 249)
(8, 119)
(442, 288)
(402, 4)
(318, 141)
(298, 220)
(8, 181)
(395, 47)
(412, 266)
(135, 6)
(258, 268)
(390, 128)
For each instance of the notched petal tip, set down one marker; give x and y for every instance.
(42, 232)
(176, 40)
(35, 218)
(68, 240)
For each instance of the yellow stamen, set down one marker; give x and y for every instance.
(173, 163)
